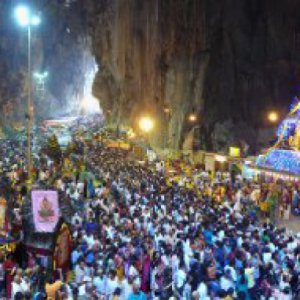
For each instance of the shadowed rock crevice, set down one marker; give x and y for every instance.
(230, 61)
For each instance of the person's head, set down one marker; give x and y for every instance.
(82, 263)
(117, 292)
(112, 274)
(40, 296)
(17, 279)
(19, 296)
(19, 272)
(136, 285)
(195, 295)
(50, 279)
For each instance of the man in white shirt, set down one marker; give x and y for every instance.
(226, 281)
(180, 279)
(99, 282)
(82, 290)
(112, 283)
(17, 286)
(80, 271)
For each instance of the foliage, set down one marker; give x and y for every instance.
(52, 149)
(71, 148)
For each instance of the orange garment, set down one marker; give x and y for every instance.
(51, 289)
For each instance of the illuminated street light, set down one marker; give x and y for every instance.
(25, 18)
(273, 116)
(22, 15)
(35, 20)
(40, 76)
(146, 124)
(192, 118)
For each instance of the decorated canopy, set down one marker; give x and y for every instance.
(284, 155)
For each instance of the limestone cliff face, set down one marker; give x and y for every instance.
(228, 60)
(151, 56)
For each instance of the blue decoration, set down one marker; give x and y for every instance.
(287, 127)
(283, 156)
(281, 160)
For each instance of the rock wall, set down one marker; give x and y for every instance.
(152, 56)
(254, 62)
(228, 60)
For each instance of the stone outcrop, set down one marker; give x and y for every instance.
(229, 61)
(152, 56)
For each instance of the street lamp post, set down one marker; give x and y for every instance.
(26, 19)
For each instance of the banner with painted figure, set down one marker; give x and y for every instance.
(63, 249)
(45, 210)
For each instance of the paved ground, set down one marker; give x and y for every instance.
(292, 224)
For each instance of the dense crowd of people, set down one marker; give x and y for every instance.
(140, 233)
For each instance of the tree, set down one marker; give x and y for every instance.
(52, 148)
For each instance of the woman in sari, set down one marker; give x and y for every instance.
(146, 265)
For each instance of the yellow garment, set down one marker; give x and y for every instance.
(189, 185)
(120, 273)
(51, 289)
(222, 191)
(169, 183)
(176, 179)
(264, 206)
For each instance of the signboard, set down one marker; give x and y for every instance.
(45, 210)
(234, 152)
(62, 250)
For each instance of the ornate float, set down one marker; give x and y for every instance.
(283, 158)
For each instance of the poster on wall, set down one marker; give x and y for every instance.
(62, 249)
(45, 210)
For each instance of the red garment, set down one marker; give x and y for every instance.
(146, 274)
(8, 265)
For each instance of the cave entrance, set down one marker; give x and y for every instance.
(88, 103)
